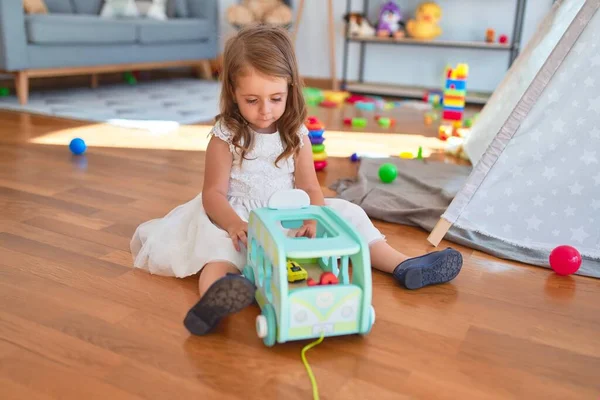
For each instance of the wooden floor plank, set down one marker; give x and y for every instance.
(72, 230)
(56, 380)
(42, 299)
(98, 267)
(29, 230)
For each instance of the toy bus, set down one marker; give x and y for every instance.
(304, 288)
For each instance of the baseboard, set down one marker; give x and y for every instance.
(319, 83)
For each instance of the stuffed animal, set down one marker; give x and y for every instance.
(358, 25)
(390, 21)
(425, 25)
(259, 11)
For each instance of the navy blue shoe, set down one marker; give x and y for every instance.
(226, 296)
(429, 269)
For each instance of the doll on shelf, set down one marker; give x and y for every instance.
(390, 22)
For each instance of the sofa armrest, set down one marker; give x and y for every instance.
(13, 40)
(207, 9)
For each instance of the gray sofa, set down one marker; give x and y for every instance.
(72, 39)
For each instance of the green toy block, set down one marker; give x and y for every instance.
(384, 122)
(359, 122)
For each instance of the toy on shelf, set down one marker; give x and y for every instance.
(297, 311)
(454, 100)
(358, 25)
(249, 12)
(503, 39)
(425, 25)
(390, 22)
(490, 35)
(4, 91)
(315, 134)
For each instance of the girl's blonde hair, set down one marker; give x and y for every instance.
(268, 50)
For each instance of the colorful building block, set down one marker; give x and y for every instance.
(315, 134)
(455, 92)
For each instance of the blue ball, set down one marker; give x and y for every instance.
(354, 157)
(77, 146)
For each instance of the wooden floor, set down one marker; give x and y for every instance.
(77, 322)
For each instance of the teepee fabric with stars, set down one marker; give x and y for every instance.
(538, 184)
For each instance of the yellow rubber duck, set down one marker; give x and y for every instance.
(425, 25)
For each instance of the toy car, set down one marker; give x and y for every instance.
(295, 273)
(337, 305)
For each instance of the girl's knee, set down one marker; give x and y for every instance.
(347, 209)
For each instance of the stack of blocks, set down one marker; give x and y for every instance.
(454, 98)
(315, 133)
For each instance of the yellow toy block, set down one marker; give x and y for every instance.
(319, 156)
(454, 102)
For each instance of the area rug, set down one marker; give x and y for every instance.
(174, 101)
(420, 194)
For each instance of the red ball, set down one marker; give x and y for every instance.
(503, 39)
(565, 260)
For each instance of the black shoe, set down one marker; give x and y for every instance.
(429, 269)
(228, 295)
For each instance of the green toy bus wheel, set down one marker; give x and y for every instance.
(266, 326)
(371, 320)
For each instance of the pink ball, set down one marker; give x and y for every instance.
(565, 260)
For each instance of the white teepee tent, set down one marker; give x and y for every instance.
(536, 148)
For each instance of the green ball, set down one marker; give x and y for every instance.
(4, 91)
(388, 172)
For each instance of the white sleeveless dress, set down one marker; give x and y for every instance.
(183, 241)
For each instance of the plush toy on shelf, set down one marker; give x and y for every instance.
(259, 11)
(425, 25)
(390, 22)
(358, 25)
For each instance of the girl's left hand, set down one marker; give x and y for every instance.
(308, 229)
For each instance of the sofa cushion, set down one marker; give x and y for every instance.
(178, 30)
(177, 9)
(78, 29)
(87, 6)
(59, 6)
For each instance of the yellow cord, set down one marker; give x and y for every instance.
(313, 381)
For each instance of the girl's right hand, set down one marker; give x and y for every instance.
(238, 232)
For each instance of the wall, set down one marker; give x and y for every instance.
(410, 65)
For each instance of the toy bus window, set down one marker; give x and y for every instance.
(323, 229)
